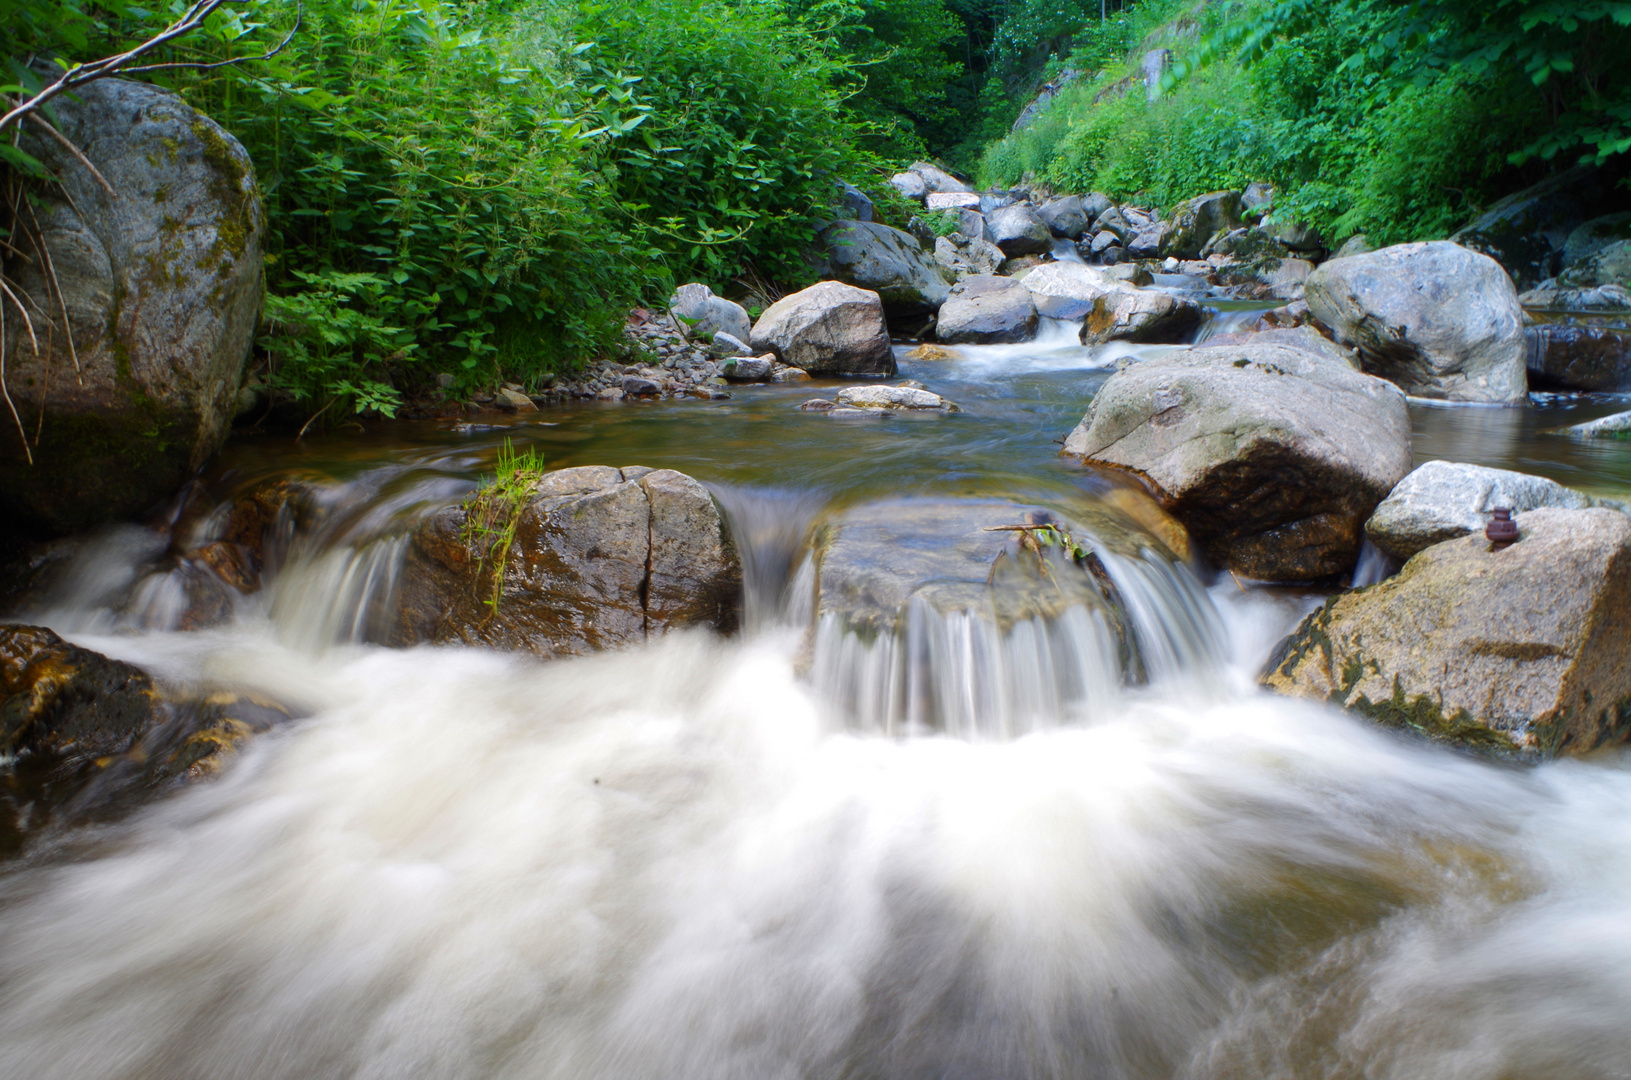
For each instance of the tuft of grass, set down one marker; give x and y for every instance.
(492, 514)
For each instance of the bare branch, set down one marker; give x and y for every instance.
(62, 301)
(22, 432)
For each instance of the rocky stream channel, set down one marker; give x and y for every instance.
(1107, 677)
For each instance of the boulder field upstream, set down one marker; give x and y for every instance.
(774, 745)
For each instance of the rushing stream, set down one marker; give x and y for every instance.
(726, 859)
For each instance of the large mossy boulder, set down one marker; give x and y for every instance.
(1196, 222)
(828, 329)
(162, 288)
(887, 261)
(1436, 318)
(1272, 456)
(1525, 649)
(987, 310)
(1444, 500)
(593, 558)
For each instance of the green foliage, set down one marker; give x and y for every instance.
(1349, 146)
(943, 222)
(327, 343)
(493, 513)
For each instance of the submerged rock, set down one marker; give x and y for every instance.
(600, 557)
(872, 561)
(1273, 457)
(1617, 426)
(1437, 319)
(1525, 649)
(1444, 500)
(987, 310)
(889, 262)
(828, 329)
(163, 291)
(893, 397)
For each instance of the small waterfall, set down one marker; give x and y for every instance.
(1065, 251)
(1231, 321)
(961, 673)
(770, 527)
(334, 595)
(1375, 565)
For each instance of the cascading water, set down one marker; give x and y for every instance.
(1012, 861)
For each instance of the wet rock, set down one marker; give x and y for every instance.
(1595, 235)
(1272, 457)
(875, 560)
(1435, 318)
(1610, 266)
(1617, 426)
(887, 261)
(818, 405)
(1196, 222)
(1064, 217)
(987, 310)
(782, 373)
(1574, 357)
(1445, 500)
(163, 289)
(1018, 231)
(952, 200)
(637, 386)
(89, 737)
(1096, 203)
(1526, 649)
(600, 558)
(893, 397)
(1142, 315)
(828, 329)
(748, 369)
(700, 314)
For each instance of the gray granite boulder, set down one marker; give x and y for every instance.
(887, 261)
(700, 314)
(828, 329)
(1018, 231)
(987, 310)
(1273, 457)
(1065, 217)
(1437, 319)
(162, 287)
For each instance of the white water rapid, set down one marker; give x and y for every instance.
(961, 852)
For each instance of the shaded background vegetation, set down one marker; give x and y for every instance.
(481, 189)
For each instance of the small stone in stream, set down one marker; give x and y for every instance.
(709, 393)
(513, 401)
(818, 405)
(893, 397)
(750, 368)
(610, 393)
(785, 374)
(844, 412)
(635, 386)
(932, 352)
(911, 384)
